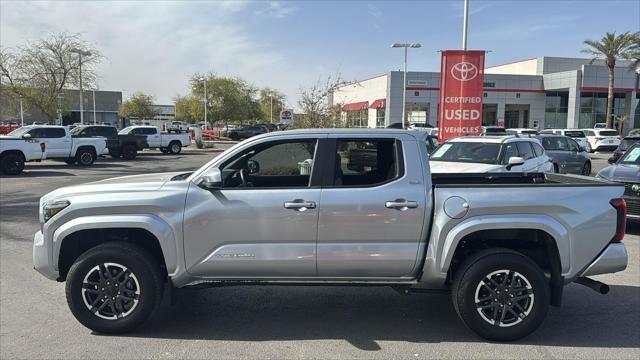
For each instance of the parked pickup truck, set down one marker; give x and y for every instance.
(167, 143)
(504, 245)
(61, 145)
(15, 151)
(125, 146)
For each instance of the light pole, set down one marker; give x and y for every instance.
(406, 46)
(465, 25)
(80, 53)
(21, 113)
(95, 121)
(205, 101)
(271, 109)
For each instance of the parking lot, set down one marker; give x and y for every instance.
(282, 322)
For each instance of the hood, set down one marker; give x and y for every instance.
(438, 167)
(621, 173)
(117, 185)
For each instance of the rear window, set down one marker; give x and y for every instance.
(574, 134)
(608, 133)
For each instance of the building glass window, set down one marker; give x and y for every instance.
(417, 113)
(555, 115)
(593, 108)
(358, 118)
(489, 114)
(380, 117)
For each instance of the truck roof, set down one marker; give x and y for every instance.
(491, 139)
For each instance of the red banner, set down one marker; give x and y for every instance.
(461, 80)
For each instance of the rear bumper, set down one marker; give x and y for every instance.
(41, 257)
(613, 259)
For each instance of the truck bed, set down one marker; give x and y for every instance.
(514, 179)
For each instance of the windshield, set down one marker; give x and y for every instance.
(126, 130)
(19, 131)
(468, 152)
(625, 144)
(608, 133)
(76, 130)
(631, 157)
(574, 134)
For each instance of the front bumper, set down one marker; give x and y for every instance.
(41, 258)
(613, 259)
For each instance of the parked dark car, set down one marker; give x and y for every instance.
(567, 156)
(246, 132)
(625, 144)
(270, 127)
(626, 170)
(125, 146)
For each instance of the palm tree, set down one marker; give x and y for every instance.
(610, 48)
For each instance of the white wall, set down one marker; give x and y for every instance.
(525, 67)
(367, 90)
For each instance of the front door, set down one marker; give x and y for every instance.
(372, 211)
(56, 139)
(263, 223)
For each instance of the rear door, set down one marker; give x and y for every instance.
(58, 143)
(153, 137)
(372, 211)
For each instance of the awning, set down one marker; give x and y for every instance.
(379, 104)
(356, 106)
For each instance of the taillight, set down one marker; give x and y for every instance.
(621, 208)
(43, 147)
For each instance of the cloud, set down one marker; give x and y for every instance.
(152, 46)
(276, 9)
(375, 12)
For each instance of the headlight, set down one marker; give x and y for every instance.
(52, 208)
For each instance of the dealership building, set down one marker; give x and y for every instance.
(544, 92)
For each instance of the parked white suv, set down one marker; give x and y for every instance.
(167, 143)
(61, 145)
(476, 154)
(16, 150)
(576, 134)
(601, 139)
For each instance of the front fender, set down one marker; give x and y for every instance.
(442, 247)
(153, 224)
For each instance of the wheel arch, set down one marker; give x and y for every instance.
(81, 234)
(15, 151)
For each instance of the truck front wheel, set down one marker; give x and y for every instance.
(500, 294)
(11, 164)
(85, 157)
(114, 287)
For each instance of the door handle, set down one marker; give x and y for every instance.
(299, 204)
(401, 204)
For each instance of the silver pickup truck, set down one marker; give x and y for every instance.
(289, 208)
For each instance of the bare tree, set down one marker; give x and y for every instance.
(316, 104)
(38, 72)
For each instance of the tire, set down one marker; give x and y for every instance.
(556, 169)
(174, 147)
(132, 307)
(12, 164)
(85, 157)
(234, 137)
(129, 152)
(586, 169)
(496, 264)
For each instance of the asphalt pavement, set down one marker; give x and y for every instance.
(282, 322)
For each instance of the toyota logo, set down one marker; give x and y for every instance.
(464, 71)
(635, 188)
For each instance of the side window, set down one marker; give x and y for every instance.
(36, 133)
(510, 150)
(367, 162)
(538, 149)
(52, 133)
(149, 131)
(525, 150)
(573, 145)
(272, 165)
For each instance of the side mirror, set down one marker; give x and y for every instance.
(26, 136)
(515, 161)
(253, 167)
(611, 160)
(211, 181)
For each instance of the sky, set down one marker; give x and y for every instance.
(155, 46)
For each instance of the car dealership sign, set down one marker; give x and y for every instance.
(461, 79)
(286, 116)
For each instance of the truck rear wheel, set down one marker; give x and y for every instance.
(114, 287)
(501, 294)
(11, 164)
(129, 152)
(85, 157)
(175, 147)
